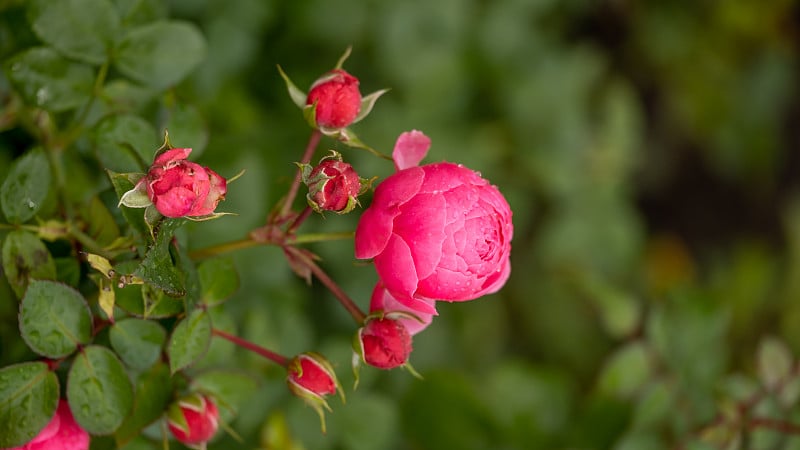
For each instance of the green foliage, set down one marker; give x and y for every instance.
(99, 391)
(25, 188)
(190, 340)
(29, 393)
(54, 319)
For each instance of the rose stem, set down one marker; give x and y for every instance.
(298, 221)
(208, 252)
(337, 292)
(272, 356)
(313, 141)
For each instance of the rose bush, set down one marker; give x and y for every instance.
(436, 232)
(61, 433)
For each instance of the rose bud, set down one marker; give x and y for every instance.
(383, 343)
(193, 419)
(333, 185)
(436, 232)
(311, 377)
(336, 98)
(61, 433)
(181, 188)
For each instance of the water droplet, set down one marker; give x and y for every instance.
(31, 204)
(42, 95)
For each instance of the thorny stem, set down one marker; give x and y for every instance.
(313, 141)
(337, 292)
(270, 355)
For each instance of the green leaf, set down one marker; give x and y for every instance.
(54, 319)
(161, 54)
(138, 12)
(228, 387)
(189, 340)
(124, 182)
(147, 302)
(98, 389)
(125, 143)
(26, 257)
(28, 400)
(26, 186)
(218, 280)
(774, 362)
(138, 342)
(102, 226)
(626, 371)
(153, 393)
(80, 29)
(157, 267)
(48, 80)
(187, 128)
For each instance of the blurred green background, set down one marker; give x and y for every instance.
(649, 151)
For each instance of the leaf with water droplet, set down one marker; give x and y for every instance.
(153, 394)
(99, 391)
(46, 79)
(25, 257)
(137, 341)
(28, 400)
(26, 187)
(54, 319)
(190, 340)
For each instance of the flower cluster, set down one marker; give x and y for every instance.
(438, 232)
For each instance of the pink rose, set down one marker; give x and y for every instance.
(337, 98)
(193, 419)
(61, 433)
(436, 232)
(180, 188)
(333, 185)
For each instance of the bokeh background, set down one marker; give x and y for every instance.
(649, 151)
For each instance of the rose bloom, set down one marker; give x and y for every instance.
(201, 418)
(337, 97)
(333, 186)
(61, 433)
(436, 232)
(180, 188)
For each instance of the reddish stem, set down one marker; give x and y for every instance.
(298, 221)
(313, 141)
(270, 355)
(780, 426)
(337, 292)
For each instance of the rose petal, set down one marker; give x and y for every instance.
(383, 300)
(395, 267)
(420, 224)
(372, 232)
(175, 154)
(410, 148)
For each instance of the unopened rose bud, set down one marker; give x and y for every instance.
(333, 185)
(337, 99)
(193, 419)
(62, 432)
(311, 377)
(385, 343)
(178, 187)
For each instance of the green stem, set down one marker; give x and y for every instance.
(319, 237)
(226, 247)
(313, 141)
(270, 355)
(88, 243)
(323, 277)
